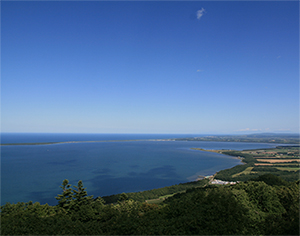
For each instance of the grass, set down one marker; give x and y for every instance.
(246, 171)
(160, 199)
(288, 168)
(296, 165)
(154, 201)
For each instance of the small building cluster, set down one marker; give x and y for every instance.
(216, 181)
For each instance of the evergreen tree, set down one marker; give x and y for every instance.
(80, 195)
(65, 199)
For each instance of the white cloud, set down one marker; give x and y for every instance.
(200, 13)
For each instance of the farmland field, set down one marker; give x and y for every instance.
(282, 161)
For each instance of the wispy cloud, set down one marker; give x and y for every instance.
(200, 13)
(283, 130)
(264, 130)
(248, 129)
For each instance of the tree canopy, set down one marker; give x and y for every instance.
(253, 207)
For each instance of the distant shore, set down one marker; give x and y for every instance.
(254, 138)
(99, 141)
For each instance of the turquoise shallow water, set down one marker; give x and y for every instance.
(36, 172)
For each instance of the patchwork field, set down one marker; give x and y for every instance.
(282, 155)
(276, 160)
(282, 161)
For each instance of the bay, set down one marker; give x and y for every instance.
(65, 137)
(35, 172)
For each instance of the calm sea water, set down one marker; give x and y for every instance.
(36, 172)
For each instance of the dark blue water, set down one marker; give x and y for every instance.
(61, 137)
(36, 172)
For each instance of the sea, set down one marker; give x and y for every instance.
(35, 172)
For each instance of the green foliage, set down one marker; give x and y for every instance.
(65, 199)
(208, 211)
(264, 169)
(271, 180)
(156, 193)
(288, 224)
(123, 197)
(236, 173)
(289, 176)
(227, 174)
(247, 158)
(73, 199)
(247, 208)
(263, 196)
(80, 196)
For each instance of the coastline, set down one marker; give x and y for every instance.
(97, 141)
(225, 152)
(211, 177)
(220, 152)
(196, 177)
(288, 139)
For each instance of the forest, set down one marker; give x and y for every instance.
(267, 205)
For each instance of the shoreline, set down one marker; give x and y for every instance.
(221, 152)
(211, 177)
(95, 141)
(197, 177)
(269, 139)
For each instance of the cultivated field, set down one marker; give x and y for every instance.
(283, 155)
(282, 161)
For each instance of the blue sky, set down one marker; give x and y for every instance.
(150, 67)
